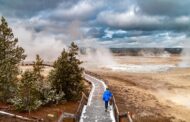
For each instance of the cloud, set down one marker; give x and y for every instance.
(95, 32)
(170, 8)
(161, 39)
(127, 20)
(27, 8)
(133, 20)
(81, 10)
(126, 23)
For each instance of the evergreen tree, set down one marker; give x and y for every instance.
(41, 83)
(67, 76)
(27, 96)
(53, 94)
(74, 85)
(38, 65)
(37, 69)
(10, 56)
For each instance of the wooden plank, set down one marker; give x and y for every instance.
(83, 101)
(126, 115)
(65, 115)
(16, 116)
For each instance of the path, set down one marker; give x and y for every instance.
(94, 111)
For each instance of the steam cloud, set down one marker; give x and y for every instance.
(185, 56)
(49, 46)
(95, 54)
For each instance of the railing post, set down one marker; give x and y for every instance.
(129, 117)
(83, 101)
(119, 120)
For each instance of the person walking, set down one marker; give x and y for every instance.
(106, 98)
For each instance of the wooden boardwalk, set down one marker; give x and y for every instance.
(94, 111)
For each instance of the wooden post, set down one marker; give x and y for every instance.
(129, 117)
(16, 116)
(119, 119)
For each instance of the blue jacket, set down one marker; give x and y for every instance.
(107, 95)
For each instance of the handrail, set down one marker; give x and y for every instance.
(66, 115)
(76, 116)
(83, 101)
(31, 64)
(126, 115)
(116, 111)
(16, 116)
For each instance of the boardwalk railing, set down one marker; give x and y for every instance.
(127, 116)
(75, 117)
(31, 64)
(115, 109)
(82, 103)
(17, 116)
(65, 116)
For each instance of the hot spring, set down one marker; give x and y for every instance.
(140, 68)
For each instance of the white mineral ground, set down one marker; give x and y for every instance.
(165, 78)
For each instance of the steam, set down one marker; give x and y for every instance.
(96, 55)
(176, 96)
(160, 53)
(185, 55)
(49, 45)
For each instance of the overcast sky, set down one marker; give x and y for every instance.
(113, 23)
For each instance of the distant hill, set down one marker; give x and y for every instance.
(145, 51)
(138, 51)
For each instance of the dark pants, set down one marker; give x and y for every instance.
(106, 105)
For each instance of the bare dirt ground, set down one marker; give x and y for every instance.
(42, 112)
(45, 71)
(161, 96)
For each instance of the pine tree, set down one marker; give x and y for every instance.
(38, 65)
(67, 75)
(10, 56)
(74, 85)
(41, 83)
(37, 70)
(27, 96)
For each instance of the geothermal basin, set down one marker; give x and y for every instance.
(149, 87)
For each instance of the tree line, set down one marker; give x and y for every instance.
(29, 90)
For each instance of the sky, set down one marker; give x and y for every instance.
(53, 24)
